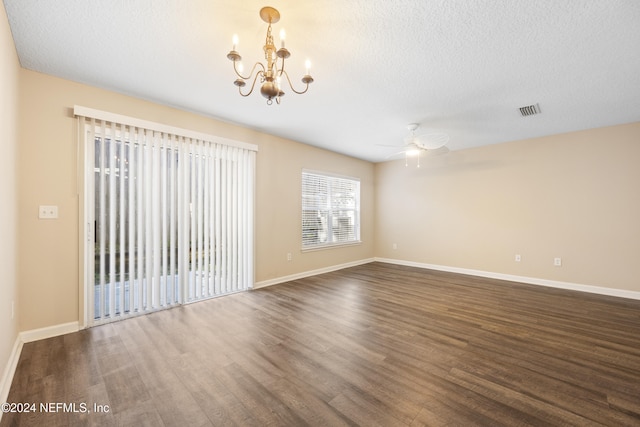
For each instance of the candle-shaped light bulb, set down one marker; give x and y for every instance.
(235, 41)
(240, 67)
(283, 35)
(307, 65)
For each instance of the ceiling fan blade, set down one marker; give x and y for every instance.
(396, 154)
(432, 140)
(392, 146)
(431, 143)
(438, 151)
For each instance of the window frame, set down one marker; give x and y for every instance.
(330, 210)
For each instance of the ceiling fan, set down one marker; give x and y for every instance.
(415, 145)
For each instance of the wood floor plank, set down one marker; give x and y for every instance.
(220, 405)
(308, 405)
(376, 344)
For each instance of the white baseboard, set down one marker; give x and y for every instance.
(522, 279)
(9, 371)
(49, 332)
(21, 339)
(304, 274)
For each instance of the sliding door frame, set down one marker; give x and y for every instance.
(86, 199)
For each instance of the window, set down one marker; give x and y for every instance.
(330, 210)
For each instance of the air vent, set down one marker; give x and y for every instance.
(530, 110)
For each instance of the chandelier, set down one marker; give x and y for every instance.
(271, 74)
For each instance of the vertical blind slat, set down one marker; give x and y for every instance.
(156, 257)
(217, 226)
(192, 228)
(164, 271)
(181, 221)
(148, 219)
(199, 215)
(234, 219)
(224, 203)
(102, 219)
(172, 222)
(139, 218)
(205, 222)
(131, 216)
(112, 222)
(91, 214)
(121, 219)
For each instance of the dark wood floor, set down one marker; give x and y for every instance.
(371, 345)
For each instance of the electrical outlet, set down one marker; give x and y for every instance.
(518, 258)
(47, 212)
(557, 262)
(394, 246)
(289, 258)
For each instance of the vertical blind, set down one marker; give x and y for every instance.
(169, 215)
(330, 210)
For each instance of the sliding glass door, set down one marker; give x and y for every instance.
(170, 219)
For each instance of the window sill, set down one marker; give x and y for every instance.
(330, 246)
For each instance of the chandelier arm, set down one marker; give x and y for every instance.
(291, 85)
(247, 77)
(282, 68)
(259, 73)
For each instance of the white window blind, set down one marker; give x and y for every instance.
(330, 210)
(169, 215)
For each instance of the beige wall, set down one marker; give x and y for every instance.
(574, 196)
(9, 74)
(49, 249)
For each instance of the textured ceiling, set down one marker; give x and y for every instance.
(457, 66)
